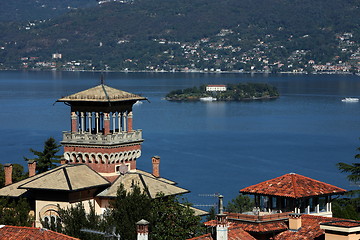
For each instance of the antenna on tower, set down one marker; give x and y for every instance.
(105, 234)
(216, 195)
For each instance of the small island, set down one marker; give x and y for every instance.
(228, 92)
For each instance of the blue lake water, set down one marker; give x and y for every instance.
(217, 147)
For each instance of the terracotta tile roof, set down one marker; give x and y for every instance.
(202, 237)
(293, 185)
(262, 227)
(211, 223)
(30, 233)
(344, 223)
(236, 233)
(310, 228)
(256, 227)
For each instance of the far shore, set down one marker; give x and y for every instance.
(189, 71)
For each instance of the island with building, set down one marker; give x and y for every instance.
(228, 92)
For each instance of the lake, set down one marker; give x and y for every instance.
(206, 147)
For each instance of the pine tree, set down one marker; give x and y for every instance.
(47, 158)
(353, 169)
(240, 204)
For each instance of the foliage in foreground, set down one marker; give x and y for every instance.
(174, 220)
(240, 204)
(169, 219)
(349, 207)
(75, 218)
(15, 213)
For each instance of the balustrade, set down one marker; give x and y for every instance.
(99, 138)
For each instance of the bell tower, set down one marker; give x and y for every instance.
(102, 134)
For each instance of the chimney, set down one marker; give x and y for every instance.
(221, 222)
(8, 173)
(156, 166)
(142, 229)
(294, 221)
(63, 161)
(32, 168)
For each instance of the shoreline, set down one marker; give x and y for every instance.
(198, 72)
(230, 100)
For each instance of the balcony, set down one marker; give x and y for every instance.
(100, 139)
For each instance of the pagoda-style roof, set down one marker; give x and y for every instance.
(77, 177)
(293, 185)
(101, 93)
(67, 178)
(146, 182)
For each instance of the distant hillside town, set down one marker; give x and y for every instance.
(215, 54)
(172, 36)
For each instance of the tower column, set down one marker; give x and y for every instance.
(114, 122)
(97, 122)
(89, 119)
(73, 122)
(119, 121)
(82, 118)
(124, 121)
(130, 121)
(106, 123)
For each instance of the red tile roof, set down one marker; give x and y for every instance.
(235, 233)
(30, 233)
(202, 237)
(344, 223)
(310, 228)
(211, 223)
(262, 227)
(293, 185)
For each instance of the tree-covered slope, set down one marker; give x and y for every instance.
(27, 10)
(155, 31)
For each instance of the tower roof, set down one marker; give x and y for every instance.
(101, 93)
(294, 186)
